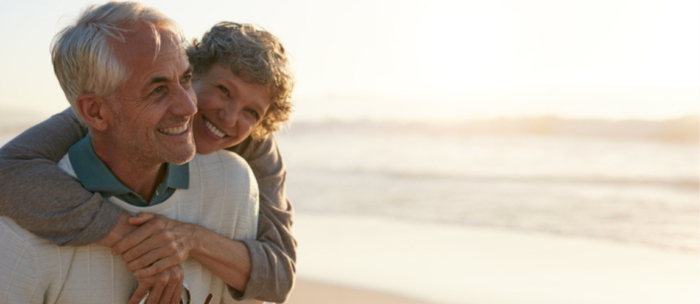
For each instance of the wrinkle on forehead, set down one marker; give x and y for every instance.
(140, 41)
(140, 52)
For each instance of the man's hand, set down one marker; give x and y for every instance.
(159, 243)
(165, 287)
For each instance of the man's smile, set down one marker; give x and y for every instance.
(178, 130)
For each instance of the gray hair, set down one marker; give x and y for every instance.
(254, 55)
(81, 53)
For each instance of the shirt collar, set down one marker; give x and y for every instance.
(96, 177)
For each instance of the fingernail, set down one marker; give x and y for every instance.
(137, 273)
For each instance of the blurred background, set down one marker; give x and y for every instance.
(567, 120)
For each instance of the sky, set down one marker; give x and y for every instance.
(424, 60)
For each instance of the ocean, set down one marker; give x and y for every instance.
(631, 182)
(553, 211)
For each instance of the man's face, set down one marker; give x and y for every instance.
(153, 108)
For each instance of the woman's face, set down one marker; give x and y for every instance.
(228, 109)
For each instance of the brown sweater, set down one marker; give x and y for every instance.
(43, 199)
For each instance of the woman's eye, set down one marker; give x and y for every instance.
(254, 113)
(224, 90)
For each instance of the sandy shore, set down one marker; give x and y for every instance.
(457, 264)
(308, 292)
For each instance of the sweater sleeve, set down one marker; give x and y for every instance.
(273, 253)
(43, 199)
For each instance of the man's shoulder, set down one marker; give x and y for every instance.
(225, 167)
(221, 156)
(12, 235)
(220, 162)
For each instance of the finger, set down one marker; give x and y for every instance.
(148, 258)
(140, 218)
(133, 238)
(157, 290)
(160, 246)
(148, 237)
(140, 292)
(177, 295)
(158, 266)
(140, 251)
(169, 291)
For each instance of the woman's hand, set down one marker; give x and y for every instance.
(158, 244)
(163, 288)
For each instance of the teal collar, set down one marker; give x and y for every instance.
(96, 177)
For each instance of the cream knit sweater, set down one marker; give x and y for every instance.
(223, 197)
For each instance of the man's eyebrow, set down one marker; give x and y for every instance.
(188, 71)
(160, 79)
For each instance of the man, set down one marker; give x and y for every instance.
(124, 70)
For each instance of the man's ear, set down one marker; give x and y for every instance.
(95, 111)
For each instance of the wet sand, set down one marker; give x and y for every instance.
(441, 263)
(309, 292)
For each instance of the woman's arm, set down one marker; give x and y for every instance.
(262, 269)
(41, 197)
(62, 211)
(273, 253)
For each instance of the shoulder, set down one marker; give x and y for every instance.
(19, 277)
(16, 240)
(11, 233)
(223, 167)
(220, 161)
(19, 249)
(31, 265)
(251, 149)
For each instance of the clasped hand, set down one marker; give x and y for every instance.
(154, 252)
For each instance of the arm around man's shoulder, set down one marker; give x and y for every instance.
(63, 211)
(273, 252)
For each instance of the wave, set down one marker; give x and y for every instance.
(685, 184)
(682, 129)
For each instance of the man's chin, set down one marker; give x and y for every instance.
(183, 156)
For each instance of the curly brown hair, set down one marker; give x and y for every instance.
(255, 56)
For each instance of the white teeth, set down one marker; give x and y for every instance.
(174, 131)
(214, 129)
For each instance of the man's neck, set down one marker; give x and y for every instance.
(137, 174)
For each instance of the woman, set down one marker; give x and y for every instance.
(243, 82)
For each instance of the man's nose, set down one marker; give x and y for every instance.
(184, 103)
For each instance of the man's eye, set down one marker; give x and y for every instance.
(187, 78)
(224, 90)
(159, 90)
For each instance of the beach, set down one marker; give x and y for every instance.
(434, 152)
(389, 213)
(411, 262)
(314, 292)
(442, 214)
